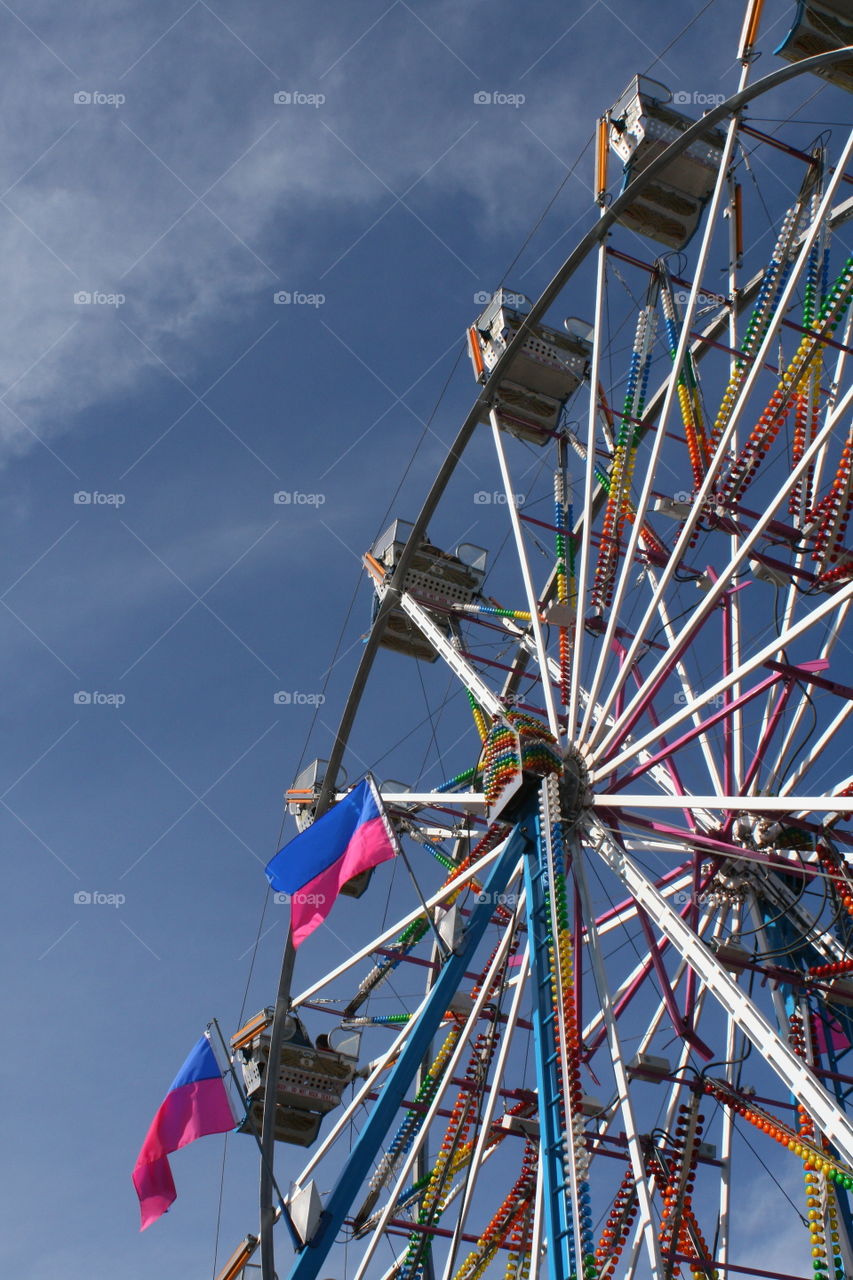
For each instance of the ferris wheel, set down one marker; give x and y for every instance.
(600, 1012)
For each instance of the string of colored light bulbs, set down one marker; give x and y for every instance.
(622, 468)
(412, 1122)
(563, 996)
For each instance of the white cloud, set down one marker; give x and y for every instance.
(103, 196)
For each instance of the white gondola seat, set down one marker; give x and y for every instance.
(818, 27)
(310, 1079)
(641, 125)
(434, 577)
(541, 377)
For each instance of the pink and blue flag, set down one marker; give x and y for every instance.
(353, 836)
(197, 1104)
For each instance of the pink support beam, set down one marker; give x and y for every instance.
(766, 738)
(492, 662)
(728, 726)
(806, 672)
(629, 902)
(628, 995)
(695, 732)
(791, 674)
(690, 984)
(669, 763)
(714, 845)
(578, 958)
(680, 1026)
(676, 653)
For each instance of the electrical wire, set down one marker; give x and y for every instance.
(543, 215)
(681, 33)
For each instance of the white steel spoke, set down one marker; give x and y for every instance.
(814, 757)
(630, 911)
(589, 485)
(792, 1072)
(711, 597)
(536, 1248)
(491, 1104)
(488, 700)
(789, 635)
(529, 589)
(689, 696)
(722, 450)
(749, 804)
(345, 1119)
(377, 1234)
(660, 436)
(634, 1255)
(646, 1221)
(773, 775)
(596, 1021)
(658, 772)
(793, 595)
(437, 899)
(726, 1134)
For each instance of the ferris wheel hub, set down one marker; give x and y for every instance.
(575, 790)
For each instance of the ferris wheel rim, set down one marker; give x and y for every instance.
(588, 242)
(593, 239)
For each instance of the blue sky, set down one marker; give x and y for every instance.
(147, 165)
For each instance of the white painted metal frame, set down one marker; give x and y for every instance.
(529, 589)
(791, 1071)
(589, 736)
(660, 435)
(645, 1223)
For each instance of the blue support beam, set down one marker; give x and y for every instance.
(559, 1227)
(369, 1142)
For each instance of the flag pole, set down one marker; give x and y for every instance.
(267, 1142)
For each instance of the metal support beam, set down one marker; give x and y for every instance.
(645, 1220)
(488, 700)
(367, 1145)
(793, 1073)
(562, 1228)
(680, 1025)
